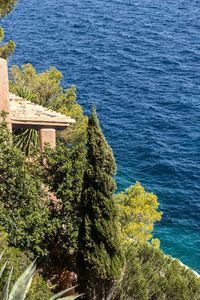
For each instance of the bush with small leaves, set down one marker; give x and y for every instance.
(19, 261)
(149, 274)
(21, 286)
(24, 205)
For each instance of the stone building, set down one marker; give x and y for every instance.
(22, 113)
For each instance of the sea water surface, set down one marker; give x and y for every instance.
(139, 63)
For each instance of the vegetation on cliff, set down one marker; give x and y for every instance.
(64, 177)
(151, 275)
(138, 211)
(80, 198)
(60, 206)
(19, 261)
(24, 211)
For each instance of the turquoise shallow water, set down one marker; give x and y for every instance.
(139, 62)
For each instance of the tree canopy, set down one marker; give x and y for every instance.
(100, 254)
(64, 177)
(62, 208)
(19, 261)
(24, 205)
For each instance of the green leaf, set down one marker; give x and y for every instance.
(1, 254)
(2, 269)
(22, 285)
(70, 297)
(5, 292)
(55, 297)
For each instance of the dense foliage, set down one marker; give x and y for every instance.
(28, 284)
(100, 256)
(138, 211)
(83, 187)
(151, 275)
(24, 206)
(62, 208)
(19, 261)
(64, 176)
(39, 209)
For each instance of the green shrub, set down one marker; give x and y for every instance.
(64, 176)
(25, 283)
(19, 261)
(151, 275)
(24, 206)
(138, 211)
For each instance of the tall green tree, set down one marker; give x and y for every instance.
(6, 7)
(100, 256)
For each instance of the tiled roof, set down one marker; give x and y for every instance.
(24, 112)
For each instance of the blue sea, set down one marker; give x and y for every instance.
(139, 63)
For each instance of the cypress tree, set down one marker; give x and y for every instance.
(100, 255)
